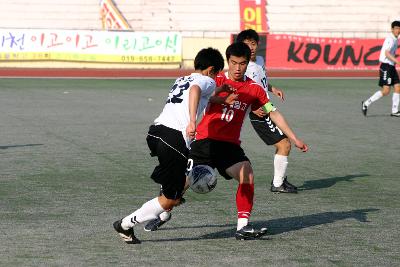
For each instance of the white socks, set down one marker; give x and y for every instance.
(373, 98)
(378, 94)
(242, 222)
(280, 166)
(395, 102)
(165, 216)
(149, 211)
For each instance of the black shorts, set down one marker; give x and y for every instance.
(216, 154)
(266, 129)
(388, 75)
(170, 148)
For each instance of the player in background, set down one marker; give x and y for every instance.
(168, 139)
(387, 72)
(217, 142)
(262, 123)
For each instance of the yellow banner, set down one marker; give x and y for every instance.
(90, 46)
(34, 56)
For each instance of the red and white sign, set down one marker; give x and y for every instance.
(307, 53)
(253, 15)
(112, 19)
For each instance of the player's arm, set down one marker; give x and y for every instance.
(280, 121)
(391, 57)
(276, 91)
(194, 98)
(229, 99)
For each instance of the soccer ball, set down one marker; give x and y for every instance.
(202, 179)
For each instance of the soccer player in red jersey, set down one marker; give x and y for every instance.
(217, 141)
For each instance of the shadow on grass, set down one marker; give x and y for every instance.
(328, 182)
(284, 225)
(276, 226)
(378, 115)
(16, 146)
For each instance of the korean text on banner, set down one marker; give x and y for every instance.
(253, 15)
(90, 46)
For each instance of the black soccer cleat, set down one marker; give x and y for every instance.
(153, 225)
(396, 114)
(364, 108)
(286, 187)
(285, 181)
(283, 189)
(127, 235)
(248, 233)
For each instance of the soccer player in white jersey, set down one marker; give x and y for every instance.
(168, 139)
(262, 123)
(387, 72)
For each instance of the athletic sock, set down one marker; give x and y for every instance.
(280, 166)
(395, 102)
(242, 222)
(149, 211)
(373, 98)
(165, 215)
(244, 203)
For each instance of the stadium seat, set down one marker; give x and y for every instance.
(340, 18)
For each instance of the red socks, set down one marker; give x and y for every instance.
(244, 200)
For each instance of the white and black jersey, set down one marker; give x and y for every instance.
(257, 74)
(264, 127)
(390, 44)
(175, 114)
(260, 61)
(387, 71)
(167, 137)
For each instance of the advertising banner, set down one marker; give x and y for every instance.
(302, 52)
(253, 15)
(90, 46)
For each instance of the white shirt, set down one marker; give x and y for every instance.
(260, 61)
(175, 114)
(257, 74)
(389, 44)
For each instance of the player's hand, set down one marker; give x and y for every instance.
(259, 112)
(191, 130)
(231, 98)
(301, 145)
(224, 88)
(278, 92)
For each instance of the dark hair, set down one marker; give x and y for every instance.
(395, 23)
(238, 50)
(249, 34)
(209, 57)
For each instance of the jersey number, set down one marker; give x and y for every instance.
(227, 114)
(177, 91)
(264, 82)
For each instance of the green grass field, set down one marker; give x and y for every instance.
(73, 159)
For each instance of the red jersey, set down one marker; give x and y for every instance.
(224, 122)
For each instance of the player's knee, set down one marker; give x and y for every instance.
(167, 203)
(171, 203)
(385, 91)
(283, 147)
